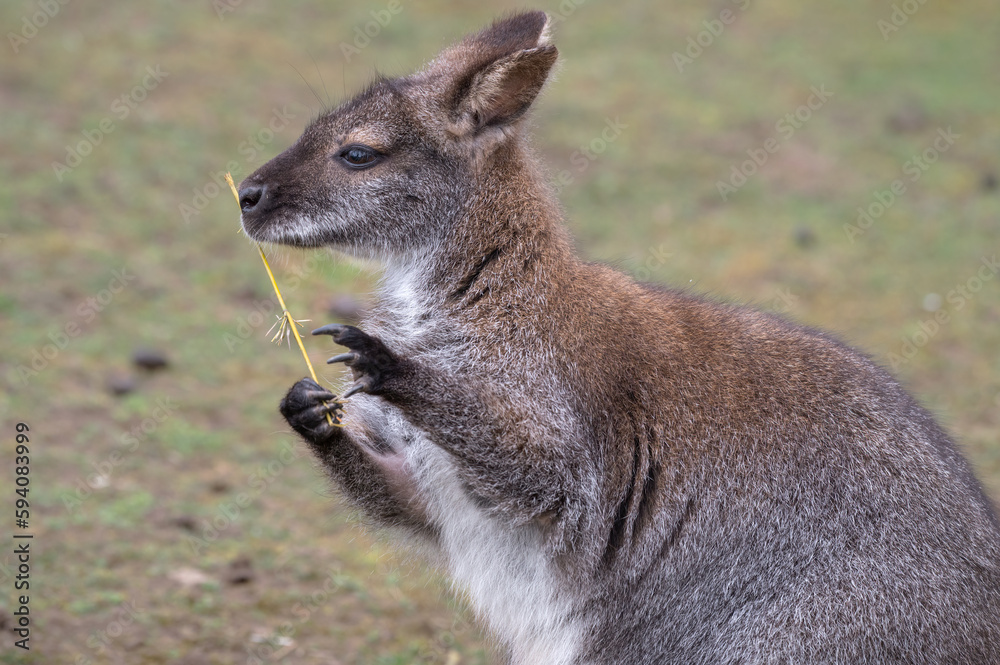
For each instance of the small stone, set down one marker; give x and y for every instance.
(988, 182)
(189, 577)
(911, 117)
(185, 522)
(122, 384)
(240, 571)
(805, 237)
(149, 359)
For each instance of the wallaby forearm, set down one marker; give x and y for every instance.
(367, 466)
(376, 482)
(505, 448)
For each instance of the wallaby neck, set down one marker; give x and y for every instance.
(508, 236)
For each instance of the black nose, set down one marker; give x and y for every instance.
(250, 196)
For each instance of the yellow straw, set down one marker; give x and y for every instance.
(287, 322)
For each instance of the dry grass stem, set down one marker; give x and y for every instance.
(287, 326)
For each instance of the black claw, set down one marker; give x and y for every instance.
(334, 409)
(343, 357)
(321, 395)
(318, 413)
(367, 356)
(356, 388)
(329, 329)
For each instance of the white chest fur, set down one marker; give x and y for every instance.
(504, 571)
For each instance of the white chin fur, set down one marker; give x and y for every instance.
(303, 230)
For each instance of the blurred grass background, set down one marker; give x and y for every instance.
(181, 522)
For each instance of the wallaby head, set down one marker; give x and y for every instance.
(391, 170)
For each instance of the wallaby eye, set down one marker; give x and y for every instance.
(359, 156)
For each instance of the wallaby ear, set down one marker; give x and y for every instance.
(501, 92)
(491, 77)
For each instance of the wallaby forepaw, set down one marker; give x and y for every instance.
(306, 406)
(369, 359)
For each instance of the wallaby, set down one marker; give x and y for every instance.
(610, 471)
